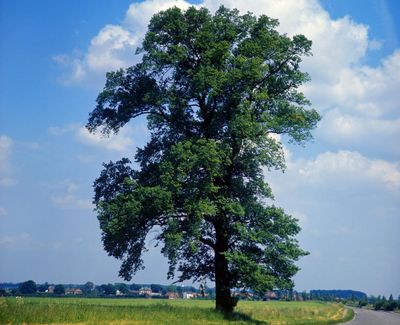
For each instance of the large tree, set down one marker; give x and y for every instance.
(215, 89)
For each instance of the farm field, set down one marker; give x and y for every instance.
(148, 311)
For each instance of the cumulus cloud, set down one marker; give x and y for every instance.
(369, 135)
(340, 176)
(365, 112)
(6, 145)
(11, 240)
(61, 130)
(348, 167)
(372, 92)
(114, 46)
(69, 198)
(121, 142)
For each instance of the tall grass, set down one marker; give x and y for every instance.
(147, 311)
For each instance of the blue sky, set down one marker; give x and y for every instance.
(344, 186)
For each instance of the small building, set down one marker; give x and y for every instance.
(189, 295)
(243, 295)
(298, 297)
(172, 295)
(145, 291)
(73, 291)
(271, 295)
(50, 289)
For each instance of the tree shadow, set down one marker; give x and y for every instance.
(242, 317)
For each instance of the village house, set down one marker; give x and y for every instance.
(243, 295)
(270, 295)
(73, 291)
(50, 289)
(145, 291)
(172, 295)
(189, 295)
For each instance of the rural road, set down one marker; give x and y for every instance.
(372, 317)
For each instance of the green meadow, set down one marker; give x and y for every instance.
(148, 311)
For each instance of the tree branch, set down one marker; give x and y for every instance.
(208, 242)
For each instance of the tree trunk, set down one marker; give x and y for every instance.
(224, 301)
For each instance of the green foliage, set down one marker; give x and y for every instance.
(59, 289)
(43, 287)
(381, 303)
(107, 289)
(135, 286)
(88, 287)
(122, 287)
(157, 288)
(28, 287)
(214, 89)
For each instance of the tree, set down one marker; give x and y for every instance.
(172, 288)
(88, 287)
(110, 289)
(122, 287)
(156, 288)
(215, 89)
(135, 287)
(43, 287)
(59, 289)
(28, 287)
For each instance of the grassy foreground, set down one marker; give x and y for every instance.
(147, 311)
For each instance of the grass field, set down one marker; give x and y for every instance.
(147, 311)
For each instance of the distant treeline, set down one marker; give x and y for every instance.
(90, 289)
(337, 294)
(160, 291)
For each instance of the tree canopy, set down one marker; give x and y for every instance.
(59, 289)
(216, 89)
(28, 287)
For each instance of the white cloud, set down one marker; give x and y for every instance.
(376, 135)
(138, 15)
(34, 146)
(86, 159)
(121, 142)
(374, 44)
(8, 181)
(6, 146)
(3, 212)
(371, 91)
(61, 130)
(69, 198)
(350, 167)
(15, 239)
(114, 46)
